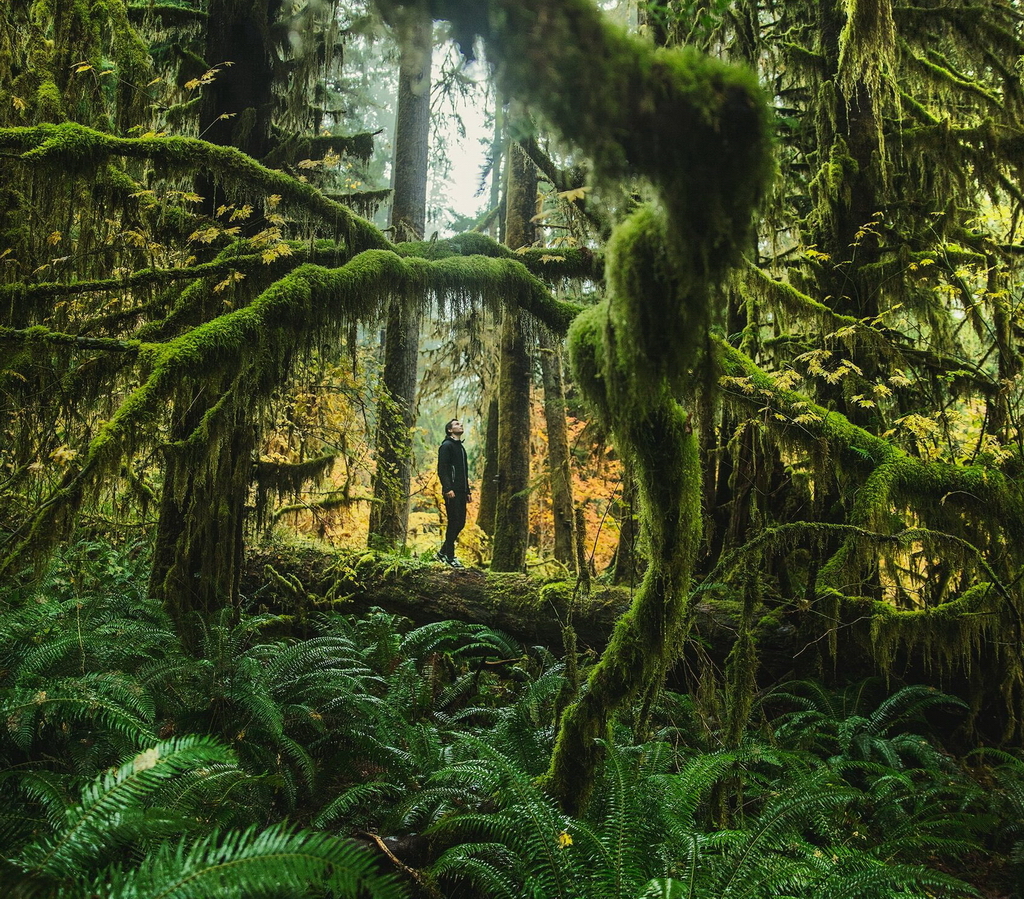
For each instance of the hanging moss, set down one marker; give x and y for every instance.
(289, 477)
(647, 639)
(295, 148)
(964, 506)
(75, 148)
(549, 264)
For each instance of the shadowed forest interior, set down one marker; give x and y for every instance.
(735, 328)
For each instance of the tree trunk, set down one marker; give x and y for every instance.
(511, 527)
(201, 523)
(237, 104)
(487, 493)
(649, 637)
(558, 450)
(497, 227)
(396, 409)
(198, 552)
(627, 566)
(512, 519)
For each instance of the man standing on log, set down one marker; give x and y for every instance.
(453, 472)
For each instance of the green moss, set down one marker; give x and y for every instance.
(49, 101)
(657, 316)
(248, 351)
(78, 146)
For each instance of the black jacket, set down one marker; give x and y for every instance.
(452, 468)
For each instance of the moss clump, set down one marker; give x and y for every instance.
(656, 337)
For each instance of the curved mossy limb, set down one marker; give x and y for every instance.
(695, 126)
(75, 148)
(648, 638)
(699, 131)
(974, 502)
(547, 263)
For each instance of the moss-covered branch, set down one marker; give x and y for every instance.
(42, 334)
(294, 148)
(167, 13)
(142, 277)
(698, 131)
(970, 502)
(288, 477)
(73, 147)
(548, 264)
(803, 422)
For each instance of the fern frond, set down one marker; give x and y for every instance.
(908, 705)
(527, 821)
(91, 824)
(253, 863)
(774, 827)
(218, 793)
(487, 866)
(460, 640)
(664, 888)
(346, 803)
(108, 702)
(856, 876)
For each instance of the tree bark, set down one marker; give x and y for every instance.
(497, 227)
(198, 552)
(396, 410)
(201, 523)
(627, 566)
(559, 467)
(526, 608)
(487, 493)
(238, 103)
(511, 528)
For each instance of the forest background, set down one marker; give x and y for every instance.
(737, 331)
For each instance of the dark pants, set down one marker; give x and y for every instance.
(456, 513)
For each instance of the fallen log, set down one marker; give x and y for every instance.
(300, 578)
(278, 577)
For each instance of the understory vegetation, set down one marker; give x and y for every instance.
(254, 768)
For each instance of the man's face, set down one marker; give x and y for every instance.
(455, 429)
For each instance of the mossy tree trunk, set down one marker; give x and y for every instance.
(699, 131)
(487, 491)
(237, 105)
(396, 409)
(512, 514)
(198, 553)
(649, 637)
(512, 521)
(559, 462)
(201, 523)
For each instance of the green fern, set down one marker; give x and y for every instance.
(110, 707)
(524, 839)
(115, 805)
(129, 808)
(275, 862)
(840, 726)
